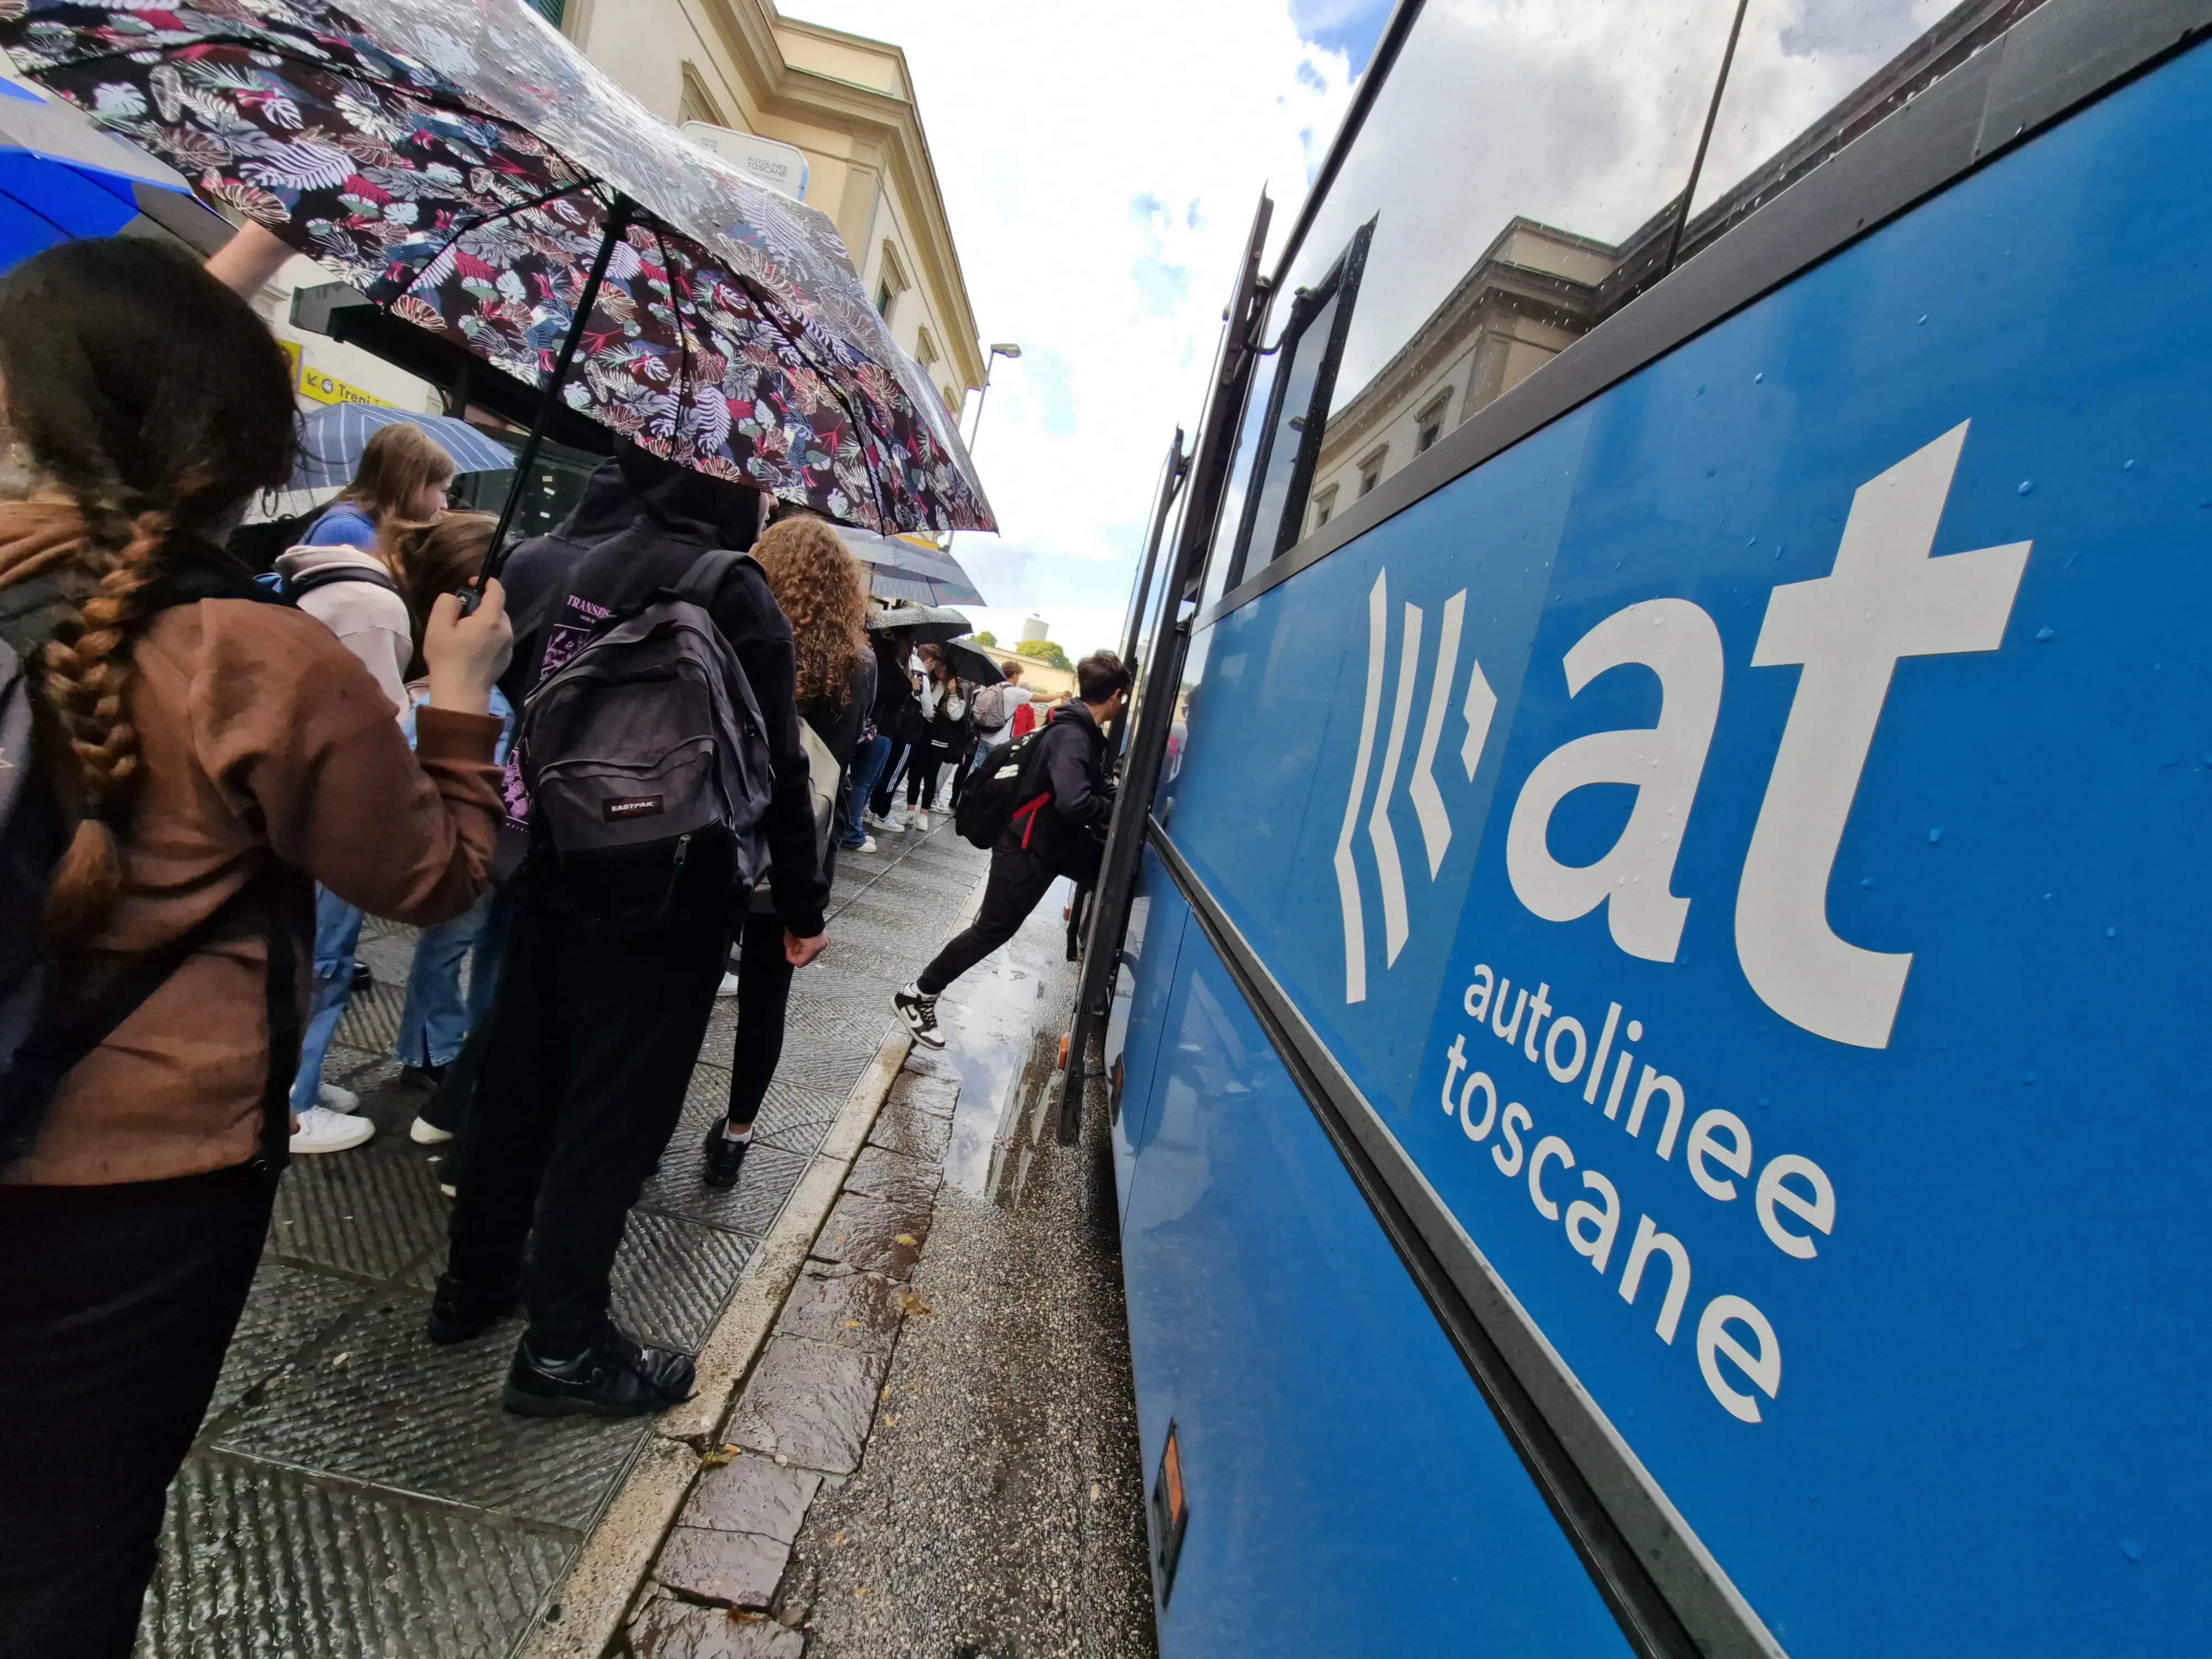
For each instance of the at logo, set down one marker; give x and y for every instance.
(1477, 709)
(1886, 597)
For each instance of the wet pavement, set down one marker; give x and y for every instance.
(356, 1491)
(935, 1456)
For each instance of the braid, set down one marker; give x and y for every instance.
(86, 682)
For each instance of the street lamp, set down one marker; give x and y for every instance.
(1003, 348)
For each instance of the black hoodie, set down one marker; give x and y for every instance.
(674, 516)
(536, 574)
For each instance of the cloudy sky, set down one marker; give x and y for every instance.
(1100, 165)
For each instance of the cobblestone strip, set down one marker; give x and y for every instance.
(620, 1549)
(802, 1422)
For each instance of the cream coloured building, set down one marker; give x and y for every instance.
(1532, 294)
(847, 104)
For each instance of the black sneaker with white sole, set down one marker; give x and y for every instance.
(919, 1012)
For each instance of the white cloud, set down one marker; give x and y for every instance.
(1100, 166)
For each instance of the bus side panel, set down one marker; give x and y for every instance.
(1157, 917)
(1348, 1488)
(1804, 1017)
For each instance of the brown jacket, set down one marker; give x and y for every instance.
(259, 733)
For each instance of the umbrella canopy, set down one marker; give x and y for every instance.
(970, 662)
(901, 569)
(925, 624)
(459, 163)
(62, 178)
(332, 439)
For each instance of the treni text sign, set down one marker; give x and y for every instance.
(1748, 840)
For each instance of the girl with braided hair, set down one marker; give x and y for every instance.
(208, 753)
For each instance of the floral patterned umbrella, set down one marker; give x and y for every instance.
(464, 167)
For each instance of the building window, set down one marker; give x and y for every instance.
(1370, 470)
(1429, 424)
(548, 10)
(694, 103)
(1325, 507)
(891, 282)
(924, 350)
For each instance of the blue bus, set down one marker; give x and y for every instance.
(1644, 963)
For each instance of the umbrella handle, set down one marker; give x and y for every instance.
(618, 220)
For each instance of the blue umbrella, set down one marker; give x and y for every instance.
(332, 439)
(62, 178)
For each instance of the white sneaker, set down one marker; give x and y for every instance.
(922, 820)
(423, 1133)
(875, 821)
(322, 1130)
(331, 1098)
(728, 987)
(867, 845)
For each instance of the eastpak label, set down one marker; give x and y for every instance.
(631, 806)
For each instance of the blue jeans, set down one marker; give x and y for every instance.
(435, 1020)
(337, 931)
(866, 765)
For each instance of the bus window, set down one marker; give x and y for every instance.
(1293, 429)
(1810, 76)
(1511, 159)
(1260, 399)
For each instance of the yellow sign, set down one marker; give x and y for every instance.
(329, 389)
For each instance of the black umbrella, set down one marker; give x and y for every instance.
(971, 664)
(925, 624)
(901, 569)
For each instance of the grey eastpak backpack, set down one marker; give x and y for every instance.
(645, 750)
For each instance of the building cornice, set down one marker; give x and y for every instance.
(1542, 294)
(886, 132)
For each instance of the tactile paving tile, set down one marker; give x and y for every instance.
(288, 1308)
(260, 1563)
(751, 1206)
(673, 1276)
(804, 1139)
(790, 1107)
(707, 1090)
(371, 1211)
(383, 1405)
(372, 1019)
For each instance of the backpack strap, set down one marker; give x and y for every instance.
(704, 579)
(299, 588)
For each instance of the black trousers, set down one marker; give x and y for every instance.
(592, 1042)
(1018, 879)
(922, 776)
(880, 802)
(764, 994)
(115, 1305)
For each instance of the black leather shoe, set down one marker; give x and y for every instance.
(725, 1156)
(456, 1315)
(613, 1377)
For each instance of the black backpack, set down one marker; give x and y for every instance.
(644, 752)
(40, 1038)
(1006, 791)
